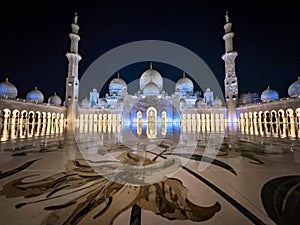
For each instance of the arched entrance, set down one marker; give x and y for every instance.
(139, 116)
(151, 114)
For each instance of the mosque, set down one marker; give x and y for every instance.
(150, 102)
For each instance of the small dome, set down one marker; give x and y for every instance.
(199, 102)
(294, 89)
(151, 75)
(54, 99)
(182, 103)
(184, 84)
(35, 96)
(7, 89)
(217, 102)
(151, 89)
(120, 103)
(117, 85)
(85, 103)
(269, 95)
(103, 103)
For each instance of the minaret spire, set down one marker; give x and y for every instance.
(230, 81)
(75, 18)
(227, 17)
(72, 81)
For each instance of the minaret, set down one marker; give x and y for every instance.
(230, 82)
(72, 81)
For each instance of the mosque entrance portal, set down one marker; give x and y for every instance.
(151, 114)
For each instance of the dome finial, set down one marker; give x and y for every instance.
(6, 79)
(151, 66)
(118, 75)
(227, 17)
(75, 18)
(298, 77)
(35, 88)
(54, 93)
(268, 86)
(183, 74)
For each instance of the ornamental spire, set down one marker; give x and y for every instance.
(75, 18)
(118, 75)
(151, 66)
(227, 17)
(183, 74)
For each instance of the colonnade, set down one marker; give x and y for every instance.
(16, 116)
(202, 118)
(99, 122)
(272, 116)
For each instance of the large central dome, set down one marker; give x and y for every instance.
(151, 75)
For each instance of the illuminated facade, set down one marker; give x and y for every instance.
(150, 102)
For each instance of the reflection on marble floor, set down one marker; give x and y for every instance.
(111, 173)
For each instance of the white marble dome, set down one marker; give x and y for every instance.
(103, 103)
(217, 102)
(54, 99)
(200, 102)
(151, 89)
(269, 95)
(151, 75)
(35, 96)
(182, 103)
(7, 89)
(85, 103)
(294, 88)
(120, 103)
(117, 85)
(184, 84)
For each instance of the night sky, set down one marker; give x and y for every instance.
(34, 38)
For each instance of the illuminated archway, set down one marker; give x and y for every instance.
(151, 114)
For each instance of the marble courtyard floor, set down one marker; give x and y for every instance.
(208, 174)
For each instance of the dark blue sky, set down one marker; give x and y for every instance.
(34, 38)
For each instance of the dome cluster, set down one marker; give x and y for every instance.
(8, 90)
